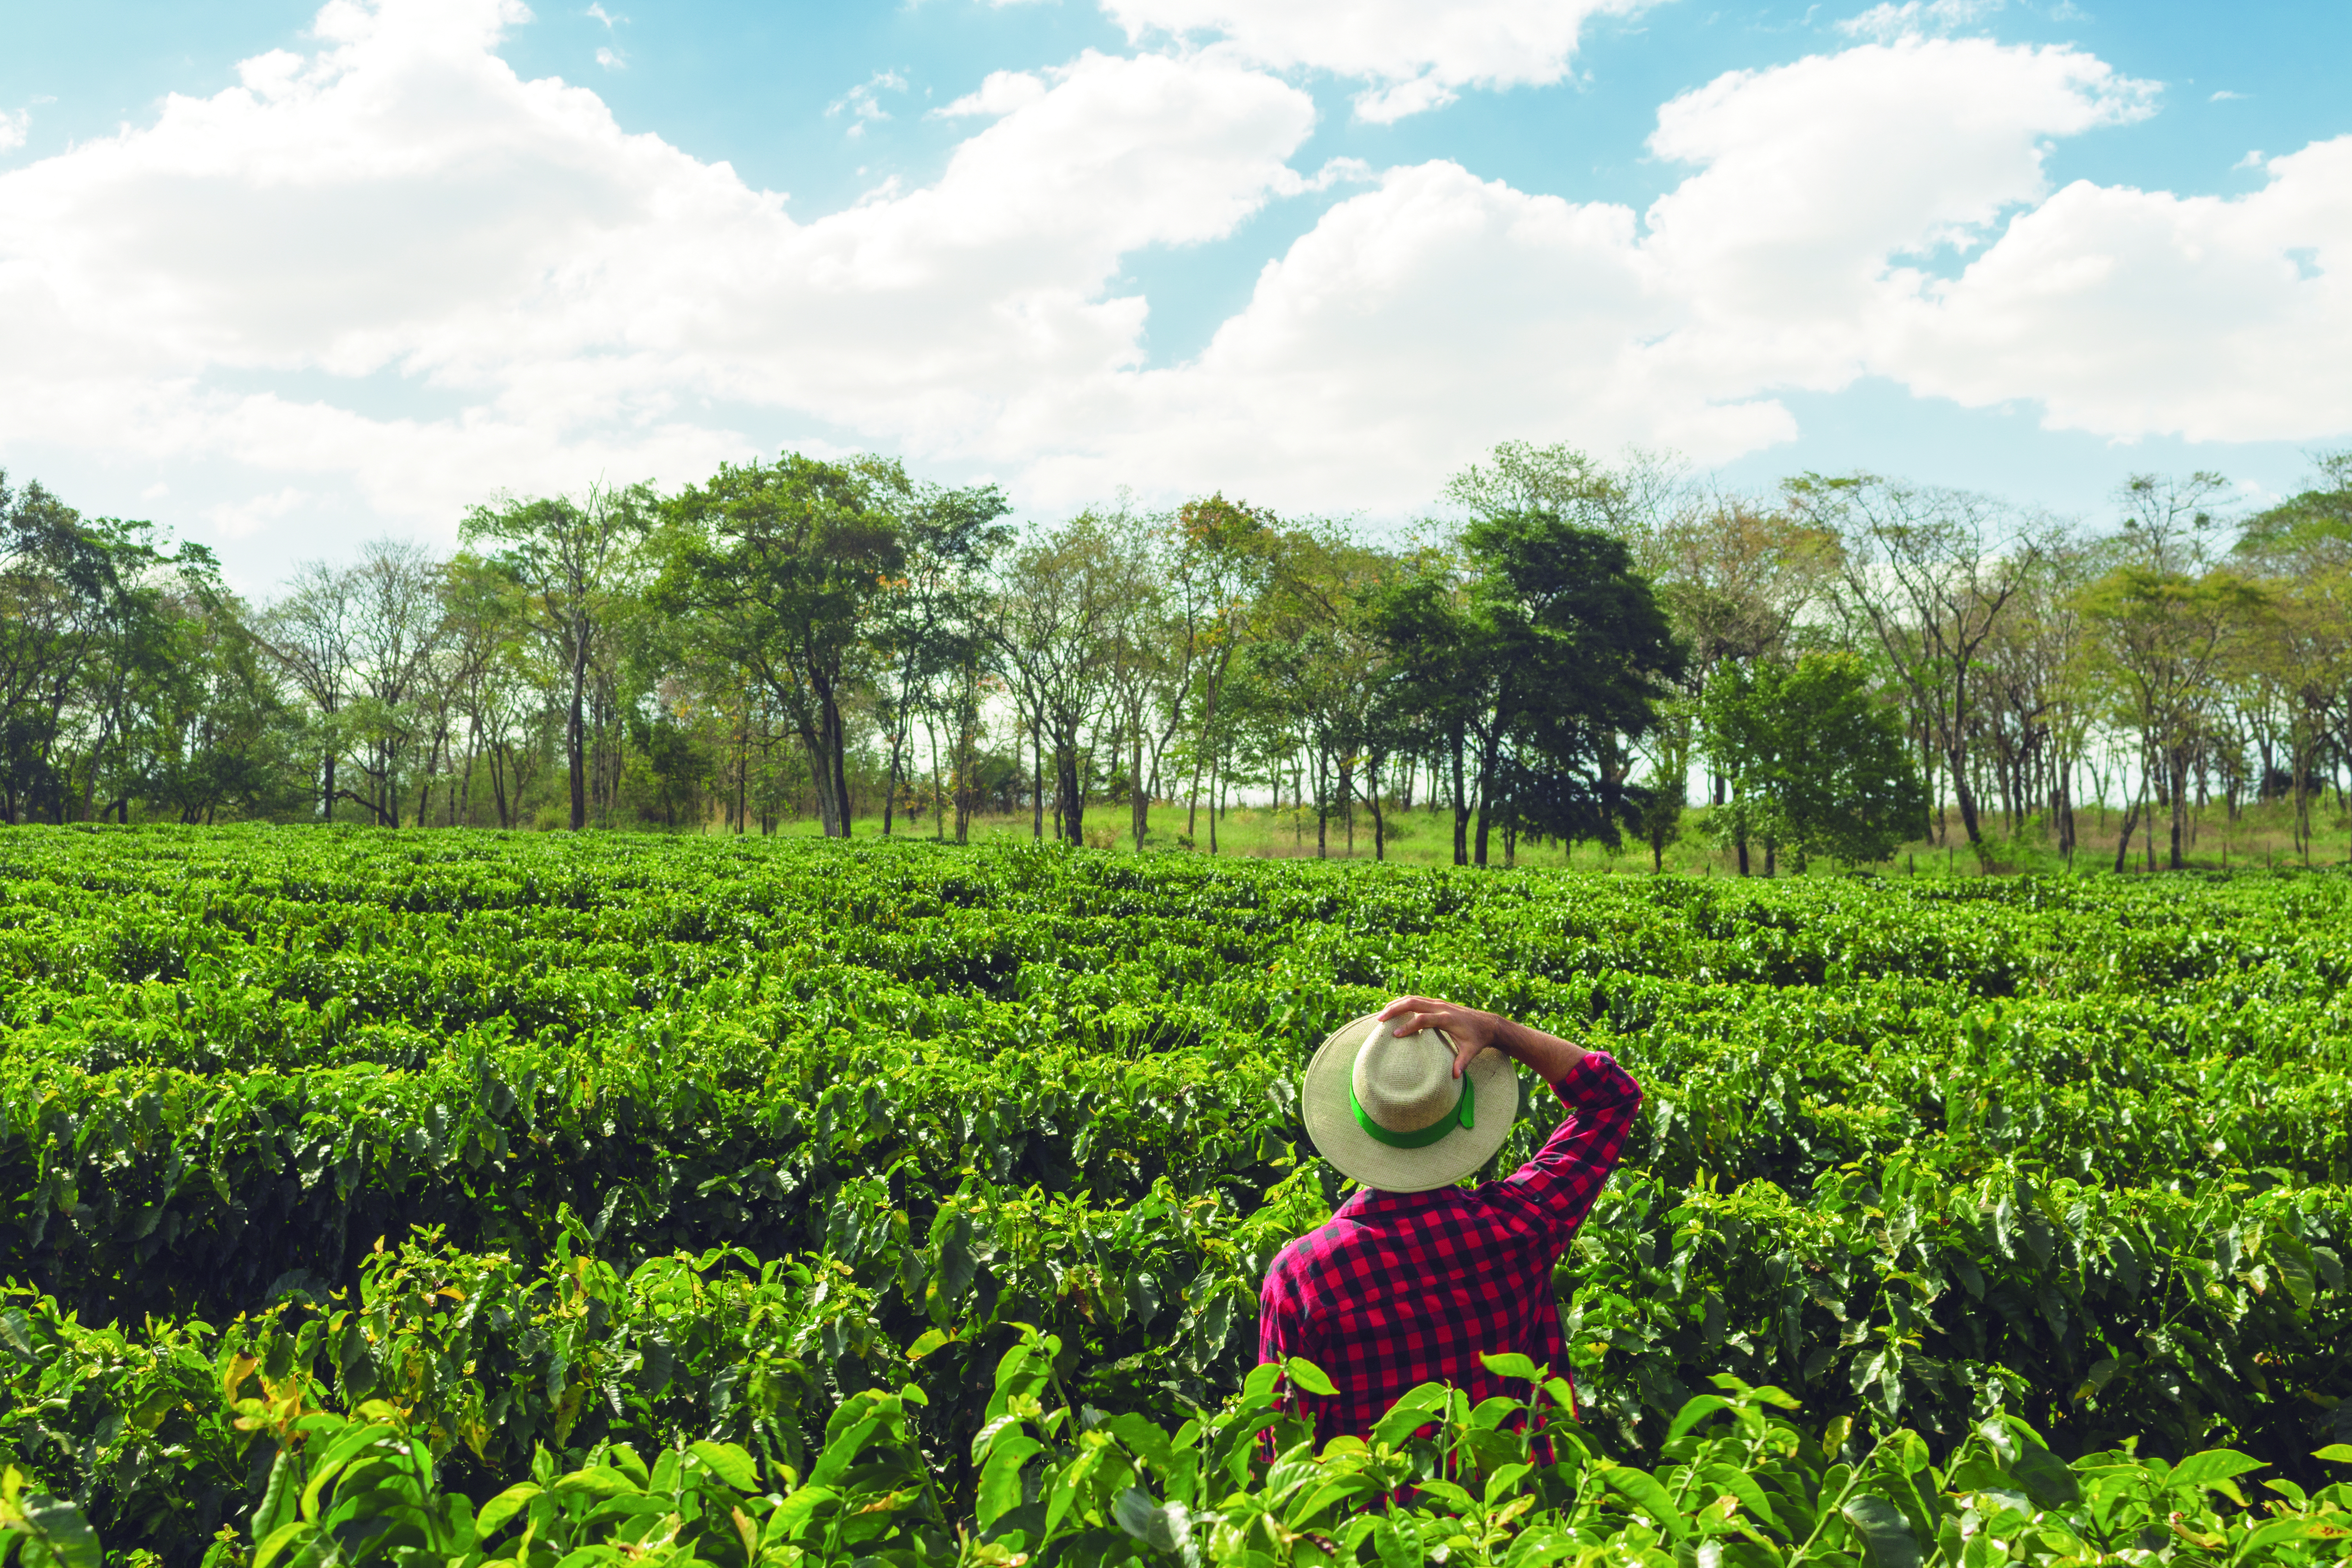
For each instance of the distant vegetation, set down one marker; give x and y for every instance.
(1576, 655)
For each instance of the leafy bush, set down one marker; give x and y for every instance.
(555, 1148)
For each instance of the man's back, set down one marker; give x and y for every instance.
(1401, 1289)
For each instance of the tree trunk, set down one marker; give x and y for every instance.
(1322, 808)
(1067, 785)
(1964, 798)
(1138, 798)
(1213, 771)
(1461, 806)
(2179, 805)
(1037, 779)
(574, 735)
(846, 807)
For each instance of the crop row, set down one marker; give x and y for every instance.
(725, 1119)
(475, 1386)
(2171, 1319)
(555, 1145)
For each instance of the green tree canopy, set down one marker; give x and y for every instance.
(1533, 664)
(780, 565)
(1816, 761)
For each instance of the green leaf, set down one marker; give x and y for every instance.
(2339, 1452)
(1000, 1478)
(797, 1511)
(1513, 1364)
(1499, 1484)
(1164, 1526)
(1413, 1409)
(1644, 1491)
(2208, 1469)
(500, 1509)
(60, 1527)
(927, 1342)
(280, 1496)
(285, 1535)
(2277, 1533)
(729, 1463)
(1693, 1410)
(1143, 1438)
(1310, 1377)
(339, 1453)
(1739, 1483)
(842, 1450)
(1884, 1530)
(598, 1481)
(2044, 1475)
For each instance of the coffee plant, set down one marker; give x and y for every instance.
(484, 1198)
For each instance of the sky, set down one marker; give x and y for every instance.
(284, 277)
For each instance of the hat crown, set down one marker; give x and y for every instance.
(1406, 1083)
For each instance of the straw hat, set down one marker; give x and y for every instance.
(1387, 1110)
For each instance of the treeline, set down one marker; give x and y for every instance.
(1583, 653)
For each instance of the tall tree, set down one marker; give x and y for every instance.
(2168, 618)
(1062, 596)
(1815, 759)
(779, 567)
(565, 555)
(1223, 560)
(1535, 662)
(1930, 572)
(2301, 656)
(398, 620)
(309, 633)
(930, 614)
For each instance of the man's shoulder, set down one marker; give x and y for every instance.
(1366, 1222)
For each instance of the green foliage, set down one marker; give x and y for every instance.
(680, 1141)
(1815, 761)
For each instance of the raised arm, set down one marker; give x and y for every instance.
(1558, 1186)
(1472, 1031)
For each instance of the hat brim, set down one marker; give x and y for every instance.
(1339, 1138)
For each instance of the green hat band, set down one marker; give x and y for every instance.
(1464, 1114)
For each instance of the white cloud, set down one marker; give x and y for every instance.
(862, 104)
(1887, 21)
(400, 205)
(999, 93)
(563, 298)
(14, 126)
(600, 15)
(2226, 96)
(1420, 323)
(242, 520)
(1415, 54)
(2129, 312)
(610, 58)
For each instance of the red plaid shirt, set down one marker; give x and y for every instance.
(1401, 1288)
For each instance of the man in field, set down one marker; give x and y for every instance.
(1415, 1276)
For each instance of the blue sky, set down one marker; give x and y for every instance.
(1312, 252)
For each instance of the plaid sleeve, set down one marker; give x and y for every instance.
(1281, 1317)
(1285, 1326)
(1558, 1184)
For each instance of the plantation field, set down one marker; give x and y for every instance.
(511, 1198)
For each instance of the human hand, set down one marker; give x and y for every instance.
(1470, 1030)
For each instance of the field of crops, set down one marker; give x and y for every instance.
(462, 1198)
